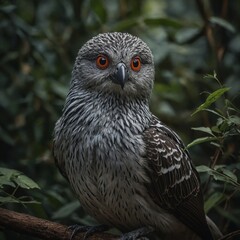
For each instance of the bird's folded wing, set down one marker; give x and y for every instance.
(58, 155)
(174, 184)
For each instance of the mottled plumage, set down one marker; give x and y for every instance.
(127, 168)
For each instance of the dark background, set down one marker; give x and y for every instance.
(39, 41)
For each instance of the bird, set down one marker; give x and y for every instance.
(128, 169)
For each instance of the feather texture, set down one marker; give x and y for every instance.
(174, 181)
(128, 169)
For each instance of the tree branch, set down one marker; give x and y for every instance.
(41, 228)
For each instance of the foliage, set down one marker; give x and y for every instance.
(39, 41)
(15, 180)
(227, 120)
(222, 134)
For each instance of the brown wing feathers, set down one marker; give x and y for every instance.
(174, 183)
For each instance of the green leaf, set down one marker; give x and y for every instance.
(211, 76)
(204, 129)
(217, 145)
(66, 210)
(230, 174)
(219, 166)
(12, 199)
(14, 176)
(220, 173)
(28, 199)
(223, 23)
(167, 22)
(9, 199)
(5, 181)
(214, 112)
(30, 202)
(201, 140)
(203, 168)
(223, 125)
(224, 178)
(215, 129)
(211, 99)
(8, 173)
(25, 182)
(234, 119)
(213, 200)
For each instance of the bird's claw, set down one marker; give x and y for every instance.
(88, 229)
(138, 234)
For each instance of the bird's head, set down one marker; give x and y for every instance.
(116, 63)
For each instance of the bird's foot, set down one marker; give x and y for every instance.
(138, 234)
(88, 229)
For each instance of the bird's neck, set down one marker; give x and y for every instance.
(98, 108)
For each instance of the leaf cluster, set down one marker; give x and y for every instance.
(15, 180)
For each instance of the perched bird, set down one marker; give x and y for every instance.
(128, 169)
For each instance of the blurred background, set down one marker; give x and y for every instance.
(196, 48)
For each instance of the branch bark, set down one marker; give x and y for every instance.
(41, 228)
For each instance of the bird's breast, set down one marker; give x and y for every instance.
(107, 169)
(103, 151)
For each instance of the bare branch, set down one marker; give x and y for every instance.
(41, 228)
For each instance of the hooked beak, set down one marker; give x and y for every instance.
(121, 75)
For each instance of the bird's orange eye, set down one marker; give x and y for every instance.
(136, 64)
(102, 62)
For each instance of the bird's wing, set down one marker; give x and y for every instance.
(174, 184)
(57, 151)
(60, 164)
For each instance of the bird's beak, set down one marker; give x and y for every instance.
(121, 75)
